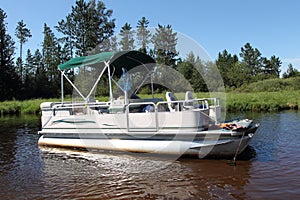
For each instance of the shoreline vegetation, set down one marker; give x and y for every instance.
(262, 96)
(235, 101)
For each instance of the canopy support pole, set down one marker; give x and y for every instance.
(152, 89)
(62, 86)
(74, 87)
(109, 81)
(97, 81)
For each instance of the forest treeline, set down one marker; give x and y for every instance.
(89, 29)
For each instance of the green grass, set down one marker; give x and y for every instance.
(22, 107)
(267, 95)
(263, 101)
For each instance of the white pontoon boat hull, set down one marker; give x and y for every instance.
(212, 143)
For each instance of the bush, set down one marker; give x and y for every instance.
(271, 85)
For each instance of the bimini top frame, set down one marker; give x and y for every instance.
(113, 61)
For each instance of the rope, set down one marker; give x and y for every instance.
(233, 163)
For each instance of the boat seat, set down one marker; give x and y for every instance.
(188, 104)
(172, 106)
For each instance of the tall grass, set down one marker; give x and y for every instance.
(22, 107)
(263, 101)
(267, 95)
(272, 85)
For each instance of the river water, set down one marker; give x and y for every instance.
(268, 169)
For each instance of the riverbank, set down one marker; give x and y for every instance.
(263, 101)
(258, 101)
(22, 107)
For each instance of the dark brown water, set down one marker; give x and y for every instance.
(269, 169)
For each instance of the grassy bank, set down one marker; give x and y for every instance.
(272, 85)
(263, 101)
(258, 101)
(22, 107)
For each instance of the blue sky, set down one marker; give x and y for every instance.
(271, 26)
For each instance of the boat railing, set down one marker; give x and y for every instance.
(71, 108)
(149, 107)
(183, 105)
(143, 106)
(81, 105)
(163, 106)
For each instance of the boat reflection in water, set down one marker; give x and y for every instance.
(124, 176)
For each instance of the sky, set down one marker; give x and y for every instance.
(273, 27)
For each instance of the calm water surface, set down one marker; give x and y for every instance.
(268, 169)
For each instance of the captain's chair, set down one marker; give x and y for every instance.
(173, 106)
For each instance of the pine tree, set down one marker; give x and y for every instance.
(9, 80)
(37, 62)
(186, 68)
(192, 69)
(51, 59)
(199, 71)
(271, 67)
(69, 39)
(22, 33)
(113, 44)
(291, 72)
(253, 60)
(165, 41)
(143, 34)
(86, 26)
(110, 44)
(41, 86)
(238, 75)
(226, 63)
(29, 76)
(127, 35)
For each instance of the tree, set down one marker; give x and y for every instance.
(127, 34)
(37, 62)
(69, 39)
(113, 43)
(226, 63)
(238, 75)
(22, 33)
(291, 72)
(186, 68)
(143, 35)
(271, 68)
(253, 60)
(51, 59)
(29, 77)
(9, 80)
(199, 71)
(110, 44)
(41, 86)
(165, 41)
(86, 26)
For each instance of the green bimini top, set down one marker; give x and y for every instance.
(127, 59)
